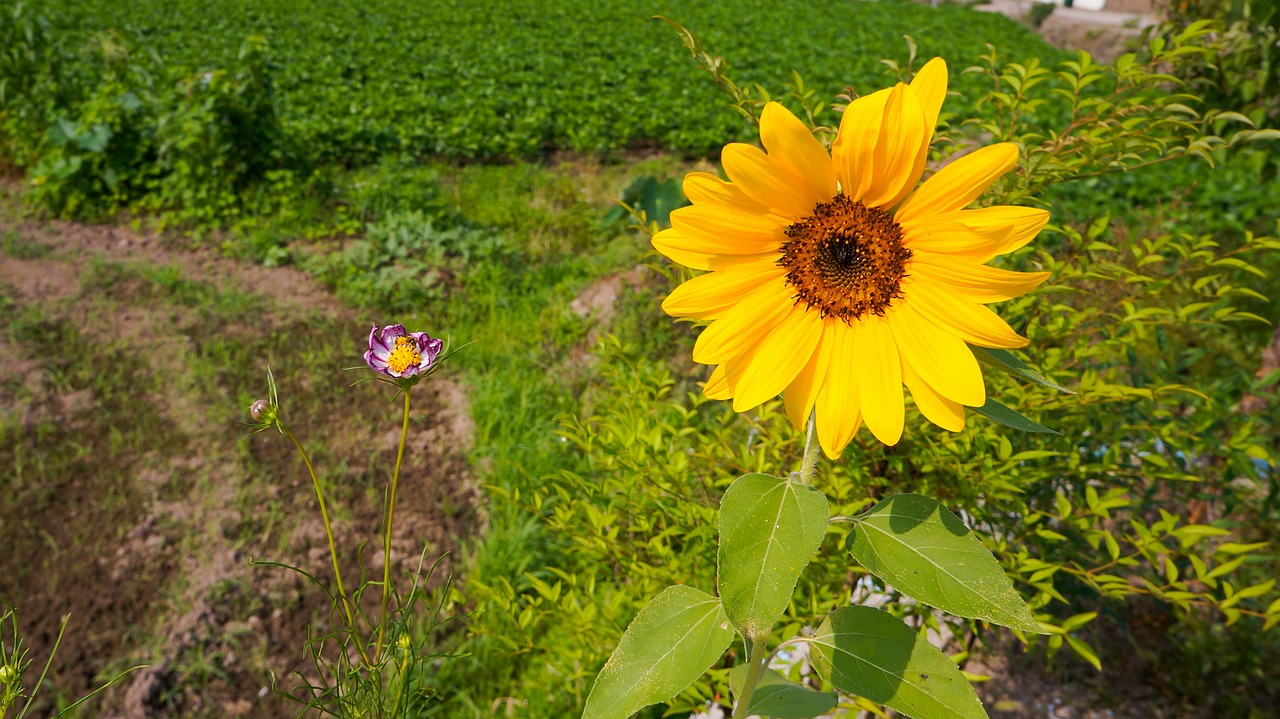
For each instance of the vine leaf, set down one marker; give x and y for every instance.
(672, 641)
(872, 654)
(917, 545)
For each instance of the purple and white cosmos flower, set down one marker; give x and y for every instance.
(397, 353)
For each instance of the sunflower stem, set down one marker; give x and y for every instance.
(810, 461)
(756, 654)
(328, 531)
(386, 536)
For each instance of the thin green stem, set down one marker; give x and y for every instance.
(386, 535)
(811, 448)
(333, 550)
(755, 669)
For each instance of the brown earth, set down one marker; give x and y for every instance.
(145, 535)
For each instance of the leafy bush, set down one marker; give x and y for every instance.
(1242, 71)
(147, 135)
(217, 134)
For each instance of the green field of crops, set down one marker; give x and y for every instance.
(495, 79)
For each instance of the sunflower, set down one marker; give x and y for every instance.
(836, 281)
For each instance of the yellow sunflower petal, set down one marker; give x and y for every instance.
(708, 296)
(718, 229)
(955, 240)
(975, 282)
(803, 390)
(706, 188)
(766, 180)
(746, 325)
(930, 88)
(1023, 223)
(837, 404)
(793, 145)
(935, 408)
(902, 134)
(960, 182)
(942, 359)
(853, 152)
(778, 359)
(880, 379)
(969, 320)
(678, 248)
(718, 385)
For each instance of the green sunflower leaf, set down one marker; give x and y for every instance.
(919, 547)
(769, 530)
(1008, 362)
(995, 411)
(672, 641)
(780, 698)
(873, 655)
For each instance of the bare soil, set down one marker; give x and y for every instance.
(142, 528)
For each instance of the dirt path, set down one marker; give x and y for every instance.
(133, 502)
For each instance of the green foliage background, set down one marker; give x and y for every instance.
(602, 464)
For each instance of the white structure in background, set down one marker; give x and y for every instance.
(1078, 4)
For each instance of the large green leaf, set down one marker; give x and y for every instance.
(917, 545)
(872, 654)
(780, 698)
(670, 643)
(769, 530)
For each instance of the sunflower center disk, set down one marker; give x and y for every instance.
(845, 259)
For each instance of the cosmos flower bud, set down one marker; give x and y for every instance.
(262, 411)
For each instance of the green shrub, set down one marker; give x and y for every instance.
(1242, 71)
(217, 135)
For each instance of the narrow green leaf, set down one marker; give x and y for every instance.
(1005, 360)
(993, 410)
(917, 545)
(769, 530)
(872, 654)
(780, 698)
(1085, 652)
(670, 643)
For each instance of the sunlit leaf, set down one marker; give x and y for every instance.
(670, 643)
(919, 547)
(769, 530)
